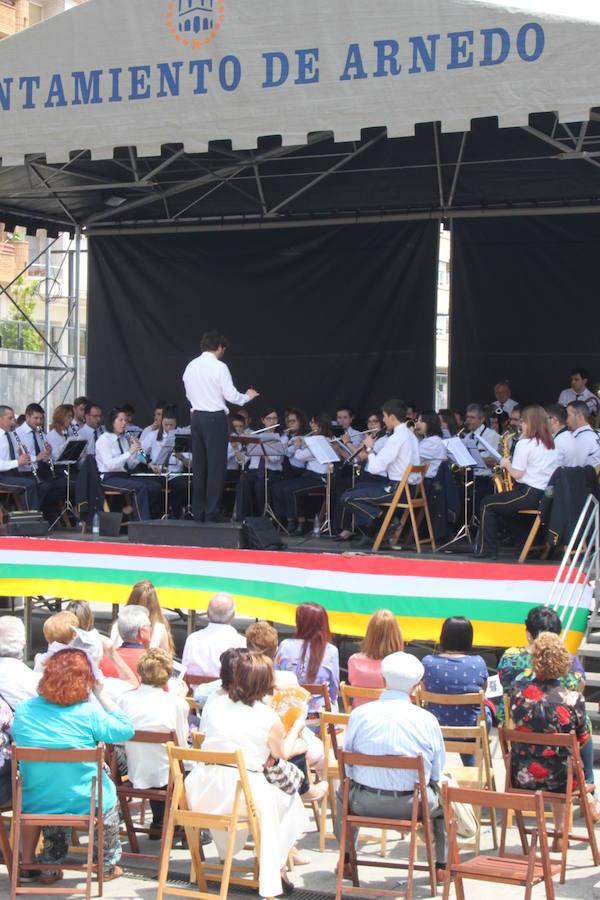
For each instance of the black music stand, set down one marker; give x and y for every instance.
(245, 440)
(183, 444)
(70, 455)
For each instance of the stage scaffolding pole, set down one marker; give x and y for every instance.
(76, 360)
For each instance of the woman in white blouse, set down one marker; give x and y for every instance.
(535, 459)
(432, 449)
(59, 429)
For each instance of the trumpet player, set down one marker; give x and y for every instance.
(116, 456)
(15, 462)
(32, 436)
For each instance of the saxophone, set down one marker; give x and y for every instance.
(503, 481)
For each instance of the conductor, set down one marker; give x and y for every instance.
(208, 384)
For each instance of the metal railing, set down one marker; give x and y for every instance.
(582, 557)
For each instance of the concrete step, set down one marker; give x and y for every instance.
(587, 648)
(592, 679)
(591, 708)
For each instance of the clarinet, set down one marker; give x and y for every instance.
(47, 446)
(75, 428)
(23, 449)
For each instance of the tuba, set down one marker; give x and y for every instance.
(503, 481)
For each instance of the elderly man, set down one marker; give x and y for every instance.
(135, 630)
(202, 651)
(393, 725)
(17, 681)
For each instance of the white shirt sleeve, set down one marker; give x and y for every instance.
(104, 458)
(231, 394)
(378, 463)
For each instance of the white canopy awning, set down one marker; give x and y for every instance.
(141, 73)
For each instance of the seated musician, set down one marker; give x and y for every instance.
(401, 450)
(130, 428)
(156, 445)
(564, 441)
(587, 441)
(531, 468)
(93, 427)
(32, 435)
(269, 455)
(296, 425)
(476, 428)
(60, 429)
(503, 397)
(448, 423)
(345, 417)
(579, 391)
(376, 427)
(157, 421)
(116, 459)
(432, 449)
(79, 405)
(15, 469)
(289, 494)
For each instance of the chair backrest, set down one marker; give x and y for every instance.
(491, 799)
(465, 739)
(388, 761)
(192, 680)
(139, 737)
(50, 755)
(508, 736)
(350, 692)
(423, 697)
(319, 690)
(328, 722)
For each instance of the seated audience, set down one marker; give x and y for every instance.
(135, 631)
(545, 704)
(82, 610)
(17, 681)
(383, 637)
(240, 720)
(151, 708)
(394, 726)
(63, 718)
(57, 629)
(6, 720)
(204, 693)
(310, 655)
(144, 594)
(203, 649)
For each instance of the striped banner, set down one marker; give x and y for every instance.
(421, 592)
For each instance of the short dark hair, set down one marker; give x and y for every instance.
(344, 407)
(323, 420)
(212, 340)
(4, 410)
(542, 618)
(237, 417)
(253, 678)
(89, 406)
(558, 411)
(516, 408)
(32, 408)
(168, 412)
(127, 408)
(395, 408)
(112, 415)
(412, 404)
(432, 421)
(579, 406)
(457, 635)
(79, 400)
(579, 370)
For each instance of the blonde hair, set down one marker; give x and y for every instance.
(58, 627)
(262, 638)
(144, 594)
(82, 611)
(550, 659)
(383, 635)
(60, 416)
(155, 667)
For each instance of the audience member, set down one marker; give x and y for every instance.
(202, 650)
(151, 708)
(310, 655)
(63, 718)
(383, 637)
(57, 629)
(135, 631)
(82, 610)
(144, 594)
(6, 720)
(394, 726)
(17, 681)
(241, 720)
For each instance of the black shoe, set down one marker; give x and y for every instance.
(287, 885)
(29, 875)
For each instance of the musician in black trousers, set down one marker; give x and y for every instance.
(208, 384)
(12, 462)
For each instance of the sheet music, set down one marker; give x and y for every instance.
(490, 450)
(459, 453)
(321, 449)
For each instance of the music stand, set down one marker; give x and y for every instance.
(183, 444)
(69, 456)
(245, 440)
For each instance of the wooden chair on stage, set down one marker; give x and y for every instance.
(350, 692)
(526, 871)
(409, 503)
(409, 826)
(180, 816)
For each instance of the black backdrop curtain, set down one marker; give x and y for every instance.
(314, 316)
(524, 305)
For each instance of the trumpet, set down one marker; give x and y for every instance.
(47, 448)
(23, 449)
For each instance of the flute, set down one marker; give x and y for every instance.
(23, 449)
(47, 447)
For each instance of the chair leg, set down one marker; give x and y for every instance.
(166, 845)
(530, 539)
(413, 521)
(429, 525)
(384, 527)
(227, 862)
(131, 835)
(5, 846)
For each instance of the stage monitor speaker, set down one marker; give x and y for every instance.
(183, 533)
(26, 524)
(110, 523)
(260, 534)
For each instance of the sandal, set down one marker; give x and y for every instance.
(113, 873)
(51, 876)
(298, 859)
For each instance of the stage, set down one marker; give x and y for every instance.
(421, 590)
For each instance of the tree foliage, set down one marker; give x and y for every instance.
(25, 293)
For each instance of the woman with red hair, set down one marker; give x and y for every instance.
(310, 654)
(63, 717)
(533, 463)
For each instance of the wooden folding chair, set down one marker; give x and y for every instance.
(462, 739)
(193, 680)
(579, 794)
(349, 692)
(126, 792)
(329, 721)
(318, 690)
(83, 822)
(350, 822)
(528, 546)
(181, 816)
(408, 505)
(526, 871)
(5, 847)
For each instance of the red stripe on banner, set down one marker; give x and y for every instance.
(365, 565)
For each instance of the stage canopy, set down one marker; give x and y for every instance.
(151, 117)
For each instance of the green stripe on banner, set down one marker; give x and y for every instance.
(483, 610)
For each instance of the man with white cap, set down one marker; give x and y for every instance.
(392, 725)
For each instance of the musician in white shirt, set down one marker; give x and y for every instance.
(52, 486)
(502, 393)
(208, 385)
(580, 391)
(564, 442)
(15, 469)
(59, 432)
(158, 417)
(116, 457)
(432, 449)
(587, 441)
(93, 427)
(269, 456)
(345, 417)
(400, 451)
(534, 461)
(288, 496)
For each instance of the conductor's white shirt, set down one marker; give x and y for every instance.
(208, 384)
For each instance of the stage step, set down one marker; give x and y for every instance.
(592, 679)
(589, 648)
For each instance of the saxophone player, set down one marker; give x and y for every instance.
(15, 462)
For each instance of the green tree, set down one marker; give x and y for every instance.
(25, 293)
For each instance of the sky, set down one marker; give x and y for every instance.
(584, 9)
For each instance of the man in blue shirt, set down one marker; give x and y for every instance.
(392, 725)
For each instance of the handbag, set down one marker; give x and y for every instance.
(283, 774)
